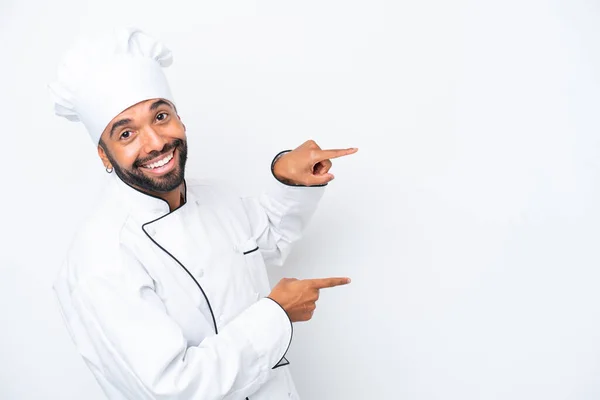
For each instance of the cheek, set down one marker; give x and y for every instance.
(126, 156)
(176, 130)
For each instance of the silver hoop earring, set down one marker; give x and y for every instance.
(109, 170)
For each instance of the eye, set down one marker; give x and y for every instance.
(162, 116)
(125, 135)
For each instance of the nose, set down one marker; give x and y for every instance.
(152, 141)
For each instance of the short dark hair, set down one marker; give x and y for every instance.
(103, 145)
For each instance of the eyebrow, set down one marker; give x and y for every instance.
(118, 124)
(159, 103)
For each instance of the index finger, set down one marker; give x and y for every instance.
(328, 282)
(334, 153)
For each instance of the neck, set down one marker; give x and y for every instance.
(175, 198)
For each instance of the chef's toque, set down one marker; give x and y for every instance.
(102, 76)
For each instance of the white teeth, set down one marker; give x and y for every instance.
(160, 163)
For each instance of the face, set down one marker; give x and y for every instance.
(146, 146)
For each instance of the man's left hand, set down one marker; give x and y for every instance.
(308, 164)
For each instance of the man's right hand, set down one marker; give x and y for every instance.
(298, 297)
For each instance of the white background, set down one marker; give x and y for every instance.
(469, 220)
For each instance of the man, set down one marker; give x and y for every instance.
(164, 290)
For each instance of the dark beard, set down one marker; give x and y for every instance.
(170, 181)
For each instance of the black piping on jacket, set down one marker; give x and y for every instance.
(251, 251)
(212, 314)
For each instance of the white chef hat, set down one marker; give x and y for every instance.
(102, 76)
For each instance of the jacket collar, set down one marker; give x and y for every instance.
(142, 206)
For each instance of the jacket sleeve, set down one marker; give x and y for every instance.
(143, 351)
(279, 216)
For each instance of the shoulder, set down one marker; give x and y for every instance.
(97, 248)
(207, 191)
(221, 200)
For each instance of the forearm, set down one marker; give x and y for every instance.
(280, 216)
(145, 353)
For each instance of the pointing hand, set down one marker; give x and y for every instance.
(308, 164)
(298, 297)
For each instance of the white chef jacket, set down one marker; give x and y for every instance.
(171, 305)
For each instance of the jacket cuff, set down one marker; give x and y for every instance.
(269, 330)
(283, 361)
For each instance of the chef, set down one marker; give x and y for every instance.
(164, 289)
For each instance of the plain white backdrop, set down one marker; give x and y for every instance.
(469, 220)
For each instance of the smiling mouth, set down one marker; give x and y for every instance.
(160, 162)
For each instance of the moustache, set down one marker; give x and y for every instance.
(155, 153)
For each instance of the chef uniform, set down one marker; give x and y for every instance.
(172, 304)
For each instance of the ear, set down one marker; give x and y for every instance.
(103, 157)
(179, 117)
